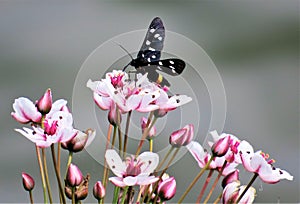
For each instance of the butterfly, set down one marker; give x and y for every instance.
(148, 58)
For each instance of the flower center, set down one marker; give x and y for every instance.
(133, 168)
(50, 127)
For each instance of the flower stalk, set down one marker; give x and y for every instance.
(247, 187)
(215, 183)
(41, 172)
(195, 180)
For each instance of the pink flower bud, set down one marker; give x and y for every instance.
(81, 191)
(182, 137)
(221, 146)
(98, 190)
(74, 176)
(113, 116)
(167, 189)
(44, 104)
(233, 176)
(152, 132)
(77, 143)
(28, 182)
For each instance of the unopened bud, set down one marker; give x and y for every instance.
(182, 137)
(221, 146)
(44, 104)
(74, 176)
(167, 189)
(28, 181)
(98, 190)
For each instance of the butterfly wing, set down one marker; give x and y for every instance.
(153, 42)
(171, 66)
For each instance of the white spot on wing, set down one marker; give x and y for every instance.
(159, 38)
(143, 55)
(171, 62)
(149, 60)
(148, 42)
(158, 67)
(156, 35)
(172, 67)
(153, 56)
(152, 30)
(151, 49)
(173, 70)
(160, 63)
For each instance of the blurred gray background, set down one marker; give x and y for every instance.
(254, 45)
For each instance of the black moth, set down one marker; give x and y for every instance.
(148, 58)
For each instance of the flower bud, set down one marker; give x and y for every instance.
(28, 181)
(152, 132)
(74, 176)
(113, 116)
(77, 143)
(167, 189)
(221, 146)
(182, 137)
(81, 191)
(44, 104)
(233, 176)
(98, 190)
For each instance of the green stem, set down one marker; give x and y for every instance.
(41, 172)
(124, 195)
(195, 180)
(73, 195)
(116, 195)
(70, 157)
(215, 183)
(151, 144)
(205, 186)
(31, 197)
(247, 187)
(164, 159)
(46, 175)
(57, 174)
(146, 132)
(126, 133)
(105, 171)
(164, 171)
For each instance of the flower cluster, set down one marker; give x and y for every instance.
(141, 177)
(227, 153)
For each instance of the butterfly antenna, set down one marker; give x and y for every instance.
(125, 50)
(127, 53)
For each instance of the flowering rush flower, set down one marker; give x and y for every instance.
(133, 171)
(141, 95)
(233, 190)
(52, 122)
(260, 164)
(202, 157)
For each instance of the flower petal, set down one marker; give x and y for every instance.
(117, 181)
(115, 162)
(130, 180)
(150, 161)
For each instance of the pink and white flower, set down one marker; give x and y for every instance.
(202, 157)
(133, 171)
(57, 128)
(141, 95)
(233, 190)
(25, 111)
(260, 164)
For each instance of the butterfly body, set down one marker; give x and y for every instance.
(148, 58)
